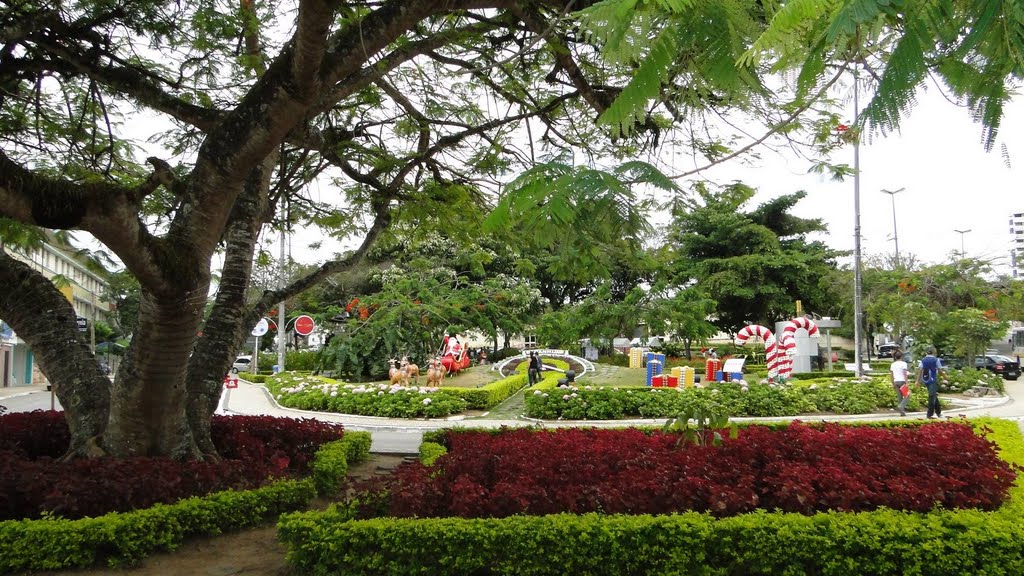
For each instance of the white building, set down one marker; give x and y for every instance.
(85, 289)
(1017, 244)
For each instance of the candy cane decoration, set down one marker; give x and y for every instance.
(787, 344)
(770, 351)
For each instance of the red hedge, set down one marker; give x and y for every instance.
(254, 450)
(801, 469)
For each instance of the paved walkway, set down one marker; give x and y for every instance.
(393, 435)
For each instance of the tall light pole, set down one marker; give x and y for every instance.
(961, 233)
(856, 234)
(895, 237)
(281, 343)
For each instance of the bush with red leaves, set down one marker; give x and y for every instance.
(36, 434)
(801, 468)
(254, 450)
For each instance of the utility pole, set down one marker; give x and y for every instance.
(895, 237)
(280, 307)
(857, 280)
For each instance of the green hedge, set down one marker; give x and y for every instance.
(431, 451)
(833, 543)
(124, 538)
(489, 395)
(330, 465)
(254, 378)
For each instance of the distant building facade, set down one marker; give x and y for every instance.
(1017, 244)
(85, 289)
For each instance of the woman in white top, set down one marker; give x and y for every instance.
(898, 375)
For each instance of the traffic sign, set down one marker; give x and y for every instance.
(261, 327)
(83, 323)
(304, 325)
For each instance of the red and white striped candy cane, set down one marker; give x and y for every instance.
(787, 344)
(770, 350)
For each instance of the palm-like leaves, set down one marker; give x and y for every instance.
(578, 213)
(685, 51)
(975, 46)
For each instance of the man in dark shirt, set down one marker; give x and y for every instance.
(928, 375)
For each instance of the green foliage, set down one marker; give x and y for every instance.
(879, 542)
(753, 264)
(577, 214)
(708, 422)
(326, 395)
(614, 359)
(489, 395)
(960, 380)
(330, 465)
(411, 312)
(831, 395)
(125, 538)
(667, 44)
(299, 360)
(430, 452)
(974, 330)
(976, 48)
(504, 353)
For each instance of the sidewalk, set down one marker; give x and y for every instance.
(255, 399)
(15, 391)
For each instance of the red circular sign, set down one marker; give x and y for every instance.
(304, 325)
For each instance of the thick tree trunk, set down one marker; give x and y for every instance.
(228, 324)
(147, 408)
(44, 318)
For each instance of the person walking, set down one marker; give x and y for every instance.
(531, 369)
(899, 373)
(538, 366)
(928, 376)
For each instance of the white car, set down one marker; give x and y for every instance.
(241, 364)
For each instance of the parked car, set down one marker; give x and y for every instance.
(1005, 366)
(886, 350)
(241, 364)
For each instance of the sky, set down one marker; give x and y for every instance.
(937, 157)
(949, 183)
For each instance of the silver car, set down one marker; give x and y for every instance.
(241, 364)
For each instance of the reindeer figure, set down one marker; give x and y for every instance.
(435, 372)
(395, 374)
(411, 370)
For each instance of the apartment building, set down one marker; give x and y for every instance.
(85, 289)
(1017, 244)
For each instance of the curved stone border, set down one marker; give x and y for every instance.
(587, 365)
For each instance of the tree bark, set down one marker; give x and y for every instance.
(226, 328)
(44, 318)
(148, 400)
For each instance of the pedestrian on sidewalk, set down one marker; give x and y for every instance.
(899, 374)
(928, 376)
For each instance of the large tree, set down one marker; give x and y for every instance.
(755, 264)
(397, 105)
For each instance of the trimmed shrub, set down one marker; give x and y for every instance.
(761, 543)
(798, 468)
(254, 449)
(430, 452)
(123, 538)
(582, 401)
(306, 392)
(330, 466)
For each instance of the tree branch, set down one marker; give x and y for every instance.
(382, 219)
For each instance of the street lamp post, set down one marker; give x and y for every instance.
(963, 254)
(857, 280)
(895, 237)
